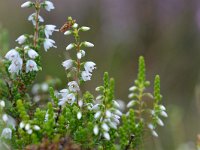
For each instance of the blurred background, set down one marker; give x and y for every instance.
(165, 32)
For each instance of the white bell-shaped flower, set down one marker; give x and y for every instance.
(32, 54)
(48, 43)
(106, 135)
(88, 44)
(73, 86)
(49, 5)
(6, 133)
(79, 115)
(49, 29)
(68, 64)
(21, 39)
(12, 54)
(16, 66)
(2, 104)
(26, 4)
(32, 18)
(31, 66)
(96, 130)
(86, 76)
(89, 66)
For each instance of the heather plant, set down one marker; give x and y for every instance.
(70, 118)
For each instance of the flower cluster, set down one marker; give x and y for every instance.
(107, 110)
(93, 122)
(89, 66)
(27, 53)
(77, 70)
(135, 119)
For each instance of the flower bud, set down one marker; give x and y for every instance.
(88, 44)
(68, 32)
(84, 28)
(96, 129)
(79, 115)
(70, 46)
(106, 135)
(5, 117)
(36, 127)
(75, 25)
(2, 103)
(26, 4)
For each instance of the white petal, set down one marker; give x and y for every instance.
(106, 136)
(88, 44)
(26, 4)
(70, 46)
(79, 115)
(96, 130)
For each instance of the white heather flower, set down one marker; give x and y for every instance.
(5, 118)
(26, 4)
(96, 129)
(150, 126)
(163, 113)
(21, 125)
(32, 54)
(16, 66)
(48, 43)
(49, 29)
(131, 95)
(30, 131)
(112, 125)
(86, 76)
(44, 87)
(6, 133)
(162, 108)
(99, 97)
(131, 103)
(68, 32)
(84, 28)
(32, 18)
(133, 88)
(73, 86)
(88, 44)
(97, 114)
(31, 66)
(117, 112)
(75, 25)
(80, 103)
(89, 66)
(67, 64)
(106, 135)
(108, 114)
(116, 104)
(27, 127)
(70, 98)
(95, 107)
(12, 54)
(49, 5)
(105, 127)
(160, 122)
(79, 55)
(70, 46)
(36, 127)
(79, 115)
(21, 39)
(154, 133)
(2, 103)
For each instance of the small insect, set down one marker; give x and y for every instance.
(67, 25)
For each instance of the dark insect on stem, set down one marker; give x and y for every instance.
(67, 25)
(130, 141)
